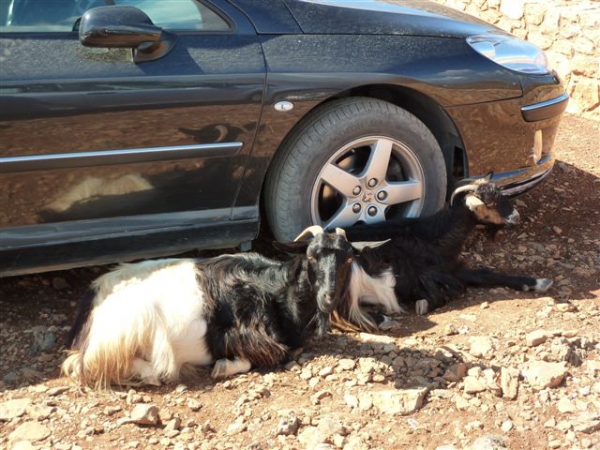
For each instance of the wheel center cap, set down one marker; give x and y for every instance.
(368, 197)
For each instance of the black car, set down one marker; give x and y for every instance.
(138, 128)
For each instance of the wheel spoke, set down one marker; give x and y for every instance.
(340, 180)
(404, 191)
(379, 160)
(344, 217)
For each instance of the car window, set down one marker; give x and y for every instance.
(62, 15)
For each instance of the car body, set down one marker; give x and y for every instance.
(133, 130)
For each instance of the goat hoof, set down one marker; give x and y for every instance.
(542, 284)
(219, 370)
(422, 307)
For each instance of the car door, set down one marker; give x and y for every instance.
(89, 137)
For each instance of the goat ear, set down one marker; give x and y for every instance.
(291, 247)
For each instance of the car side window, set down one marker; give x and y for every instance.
(62, 15)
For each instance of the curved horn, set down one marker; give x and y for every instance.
(340, 231)
(362, 245)
(310, 231)
(468, 187)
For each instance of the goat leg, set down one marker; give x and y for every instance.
(489, 278)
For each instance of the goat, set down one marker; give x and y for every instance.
(420, 261)
(148, 320)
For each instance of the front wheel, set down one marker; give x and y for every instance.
(355, 160)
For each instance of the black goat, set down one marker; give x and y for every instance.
(145, 321)
(420, 263)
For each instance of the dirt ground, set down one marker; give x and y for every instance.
(497, 369)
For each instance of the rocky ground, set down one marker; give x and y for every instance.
(497, 369)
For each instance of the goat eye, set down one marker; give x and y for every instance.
(311, 258)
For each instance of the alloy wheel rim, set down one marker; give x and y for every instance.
(368, 180)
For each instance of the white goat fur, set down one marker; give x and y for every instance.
(150, 325)
(373, 291)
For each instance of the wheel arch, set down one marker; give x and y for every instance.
(421, 106)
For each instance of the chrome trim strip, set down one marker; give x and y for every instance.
(110, 157)
(526, 185)
(546, 103)
(546, 109)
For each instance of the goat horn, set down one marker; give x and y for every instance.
(468, 187)
(340, 231)
(310, 231)
(372, 244)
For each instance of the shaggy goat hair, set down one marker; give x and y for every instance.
(420, 261)
(146, 321)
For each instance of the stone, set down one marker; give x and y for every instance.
(194, 404)
(236, 428)
(565, 405)
(481, 346)
(288, 425)
(346, 364)
(328, 428)
(455, 372)
(507, 425)
(143, 414)
(53, 392)
(401, 401)
(351, 400)
(12, 409)
(473, 385)
(587, 422)
(173, 424)
(461, 403)
(317, 397)
(536, 338)
(29, 431)
(490, 442)
(25, 445)
(542, 374)
(509, 382)
(513, 9)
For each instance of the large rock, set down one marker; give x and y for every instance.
(542, 374)
(29, 431)
(403, 401)
(14, 408)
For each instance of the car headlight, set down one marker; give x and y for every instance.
(511, 52)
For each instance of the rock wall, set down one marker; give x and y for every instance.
(568, 31)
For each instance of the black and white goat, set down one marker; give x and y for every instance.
(146, 321)
(420, 261)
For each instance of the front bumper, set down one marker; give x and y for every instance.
(513, 138)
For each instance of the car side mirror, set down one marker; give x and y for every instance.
(125, 27)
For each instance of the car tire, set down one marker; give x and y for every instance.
(326, 171)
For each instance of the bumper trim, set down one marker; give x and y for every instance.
(517, 182)
(545, 110)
